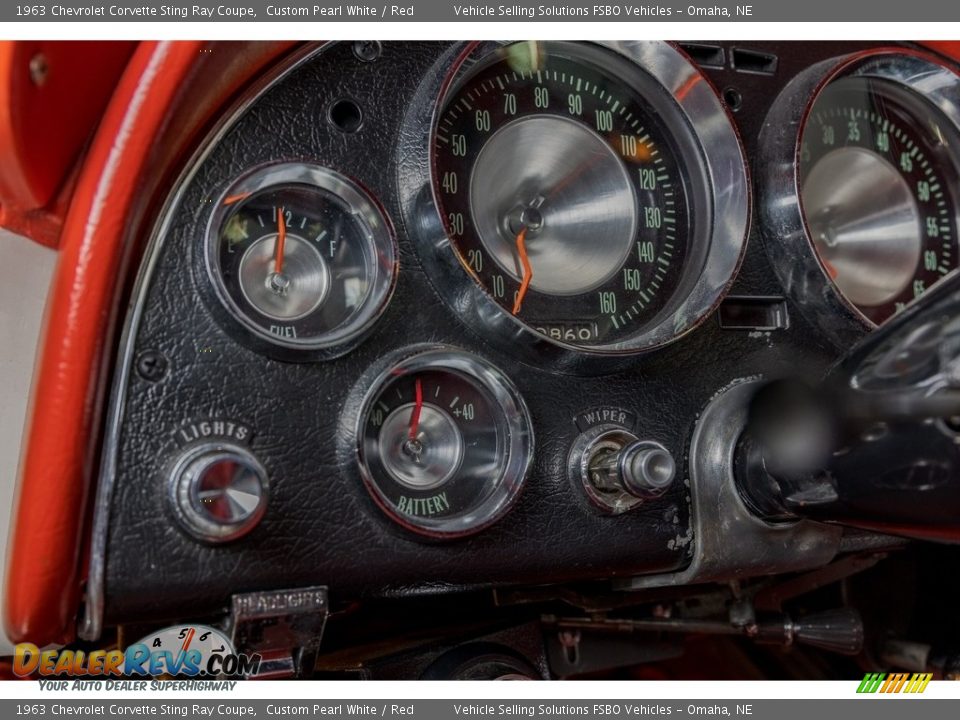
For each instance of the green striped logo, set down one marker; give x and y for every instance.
(894, 682)
(871, 682)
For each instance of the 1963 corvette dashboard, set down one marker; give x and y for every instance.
(535, 359)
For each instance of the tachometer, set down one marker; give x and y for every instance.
(867, 219)
(878, 190)
(576, 187)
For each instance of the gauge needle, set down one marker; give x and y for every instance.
(527, 270)
(415, 415)
(281, 241)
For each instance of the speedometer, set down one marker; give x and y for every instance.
(576, 188)
(563, 194)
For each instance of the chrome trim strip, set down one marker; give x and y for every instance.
(91, 624)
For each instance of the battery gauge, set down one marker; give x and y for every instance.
(444, 442)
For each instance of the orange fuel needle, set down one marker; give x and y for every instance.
(527, 270)
(281, 241)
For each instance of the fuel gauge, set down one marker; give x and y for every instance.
(444, 442)
(301, 257)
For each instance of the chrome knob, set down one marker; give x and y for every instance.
(218, 492)
(642, 468)
(646, 469)
(617, 470)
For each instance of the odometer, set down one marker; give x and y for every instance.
(575, 192)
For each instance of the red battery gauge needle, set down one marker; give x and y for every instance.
(417, 409)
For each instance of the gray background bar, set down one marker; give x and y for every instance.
(874, 707)
(478, 11)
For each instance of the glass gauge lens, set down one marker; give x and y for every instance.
(301, 256)
(879, 182)
(444, 443)
(562, 186)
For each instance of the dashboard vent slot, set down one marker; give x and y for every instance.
(711, 56)
(758, 314)
(753, 61)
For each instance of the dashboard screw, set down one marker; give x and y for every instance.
(151, 365)
(366, 50)
(733, 99)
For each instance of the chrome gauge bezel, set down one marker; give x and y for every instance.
(787, 237)
(701, 288)
(379, 249)
(517, 426)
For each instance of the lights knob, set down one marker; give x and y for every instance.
(218, 492)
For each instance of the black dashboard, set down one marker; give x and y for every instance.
(429, 399)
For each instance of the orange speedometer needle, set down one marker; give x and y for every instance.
(281, 241)
(415, 415)
(527, 270)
